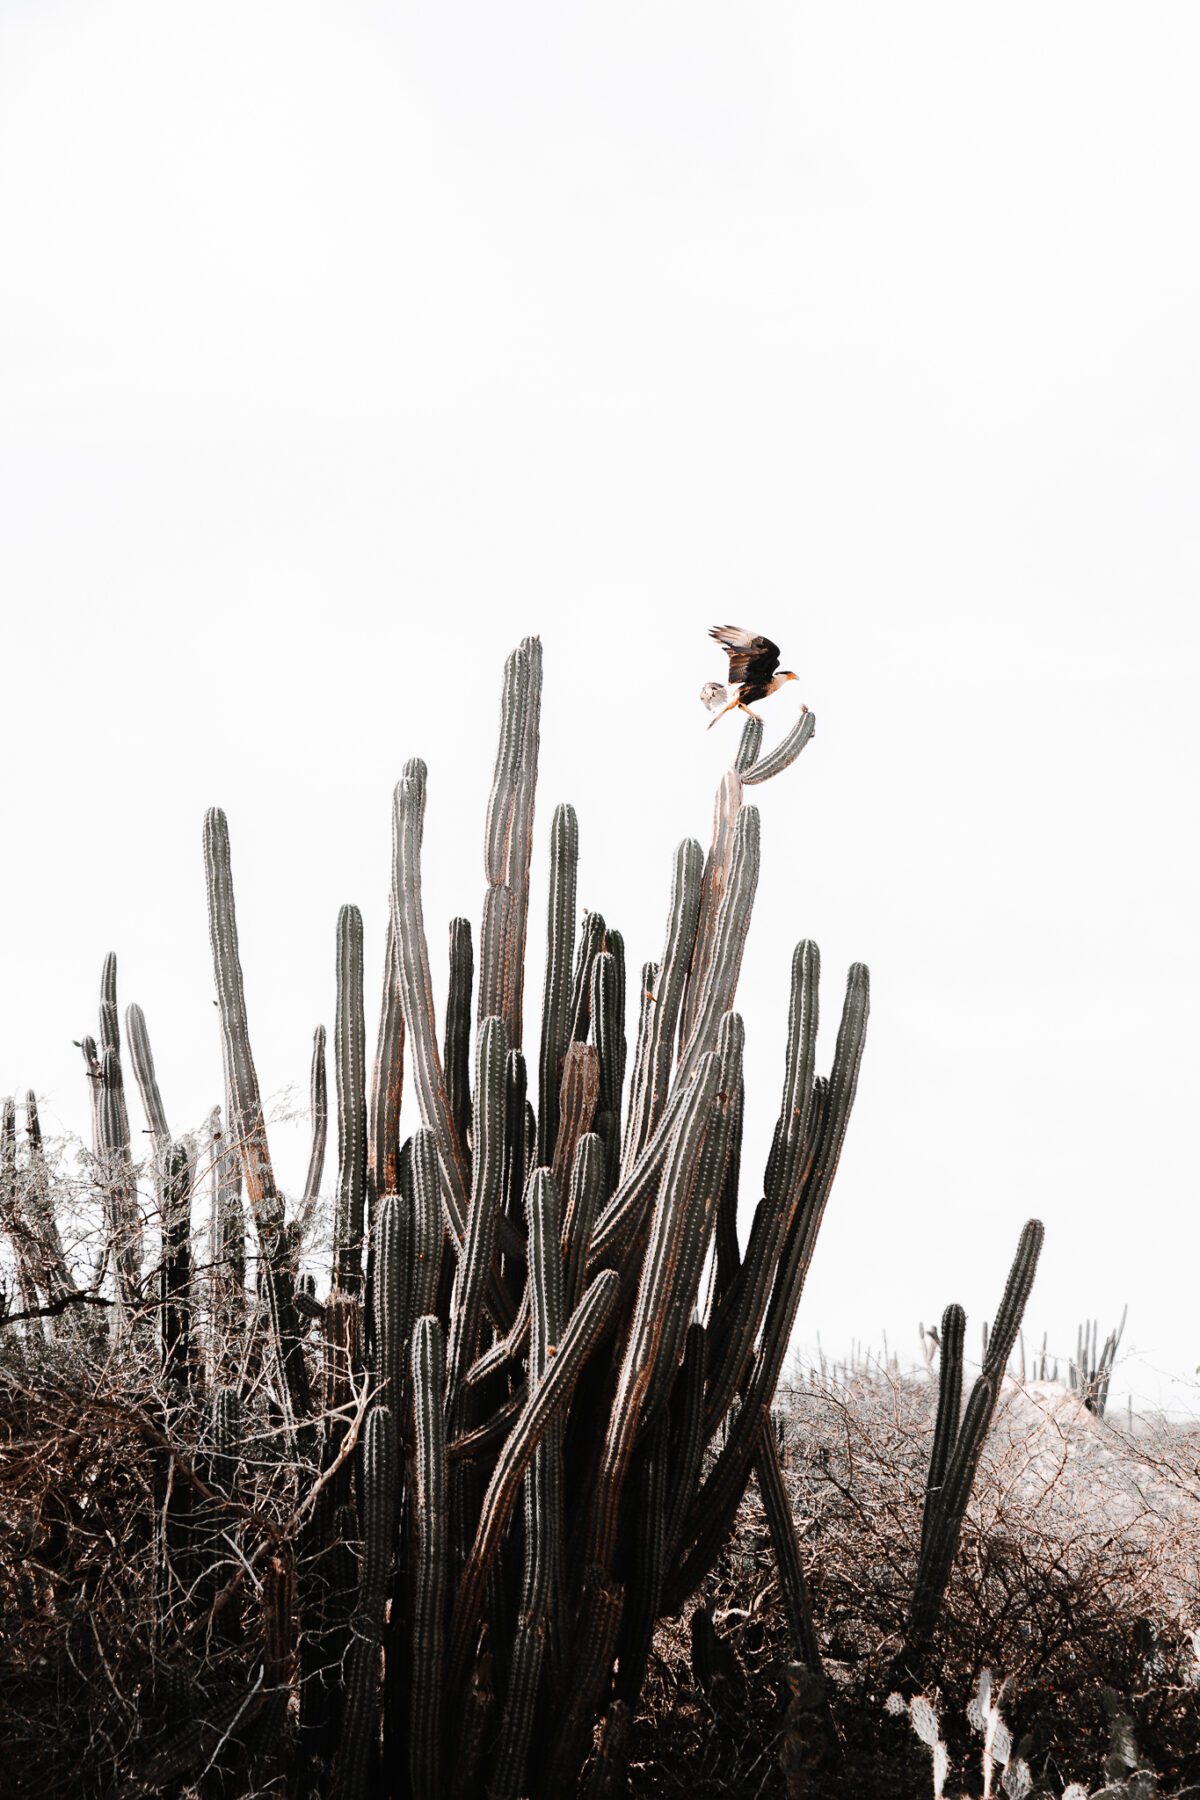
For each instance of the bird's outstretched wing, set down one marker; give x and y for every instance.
(751, 657)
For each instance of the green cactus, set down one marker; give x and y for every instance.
(349, 1035)
(387, 1086)
(576, 1365)
(142, 1058)
(362, 1697)
(392, 1288)
(486, 1188)
(430, 1550)
(175, 1315)
(556, 991)
(457, 1053)
(247, 1120)
(543, 1500)
(957, 1448)
(227, 1251)
(119, 1186)
(318, 1095)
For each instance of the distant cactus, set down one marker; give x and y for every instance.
(958, 1441)
(1090, 1370)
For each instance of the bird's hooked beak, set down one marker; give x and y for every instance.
(790, 675)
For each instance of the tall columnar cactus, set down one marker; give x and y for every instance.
(247, 1119)
(543, 1548)
(360, 1732)
(119, 1186)
(350, 1062)
(958, 1440)
(430, 1557)
(227, 1252)
(561, 1413)
(175, 1188)
(142, 1058)
(556, 989)
(387, 1085)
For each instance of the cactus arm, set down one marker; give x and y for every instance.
(543, 1498)
(946, 1501)
(655, 1292)
(781, 1523)
(349, 1035)
(487, 1181)
(59, 1282)
(586, 1191)
(391, 1295)
(728, 936)
(430, 1533)
(520, 847)
(736, 1321)
(508, 839)
(577, 1104)
(688, 1436)
(728, 1248)
(387, 1083)
(495, 955)
(643, 1047)
(22, 1239)
(608, 1033)
(949, 1412)
(697, 1232)
(785, 752)
(556, 992)
(246, 1112)
(176, 1266)
(1012, 1304)
(591, 942)
(715, 1506)
(318, 1105)
(713, 883)
(142, 1058)
(749, 745)
(110, 1030)
(595, 1645)
(416, 992)
(792, 1140)
(360, 1727)
(620, 1218)
(498, 826)
(652, 1077)
(227, 1251)
(124, 1218)
(547, 1399)
(458, 1026)
(428, 1231)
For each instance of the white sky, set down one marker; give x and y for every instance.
(342, 345)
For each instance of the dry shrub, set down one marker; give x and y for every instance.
(1079, 1570)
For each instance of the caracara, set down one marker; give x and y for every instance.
(752, 664)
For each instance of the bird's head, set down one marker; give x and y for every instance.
(788, 675)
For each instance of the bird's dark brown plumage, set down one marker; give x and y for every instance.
(753, 659)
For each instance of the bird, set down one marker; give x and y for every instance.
(753, 661)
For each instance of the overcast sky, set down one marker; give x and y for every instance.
(342, 345)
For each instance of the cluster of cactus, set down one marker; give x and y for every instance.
(519, 1425)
